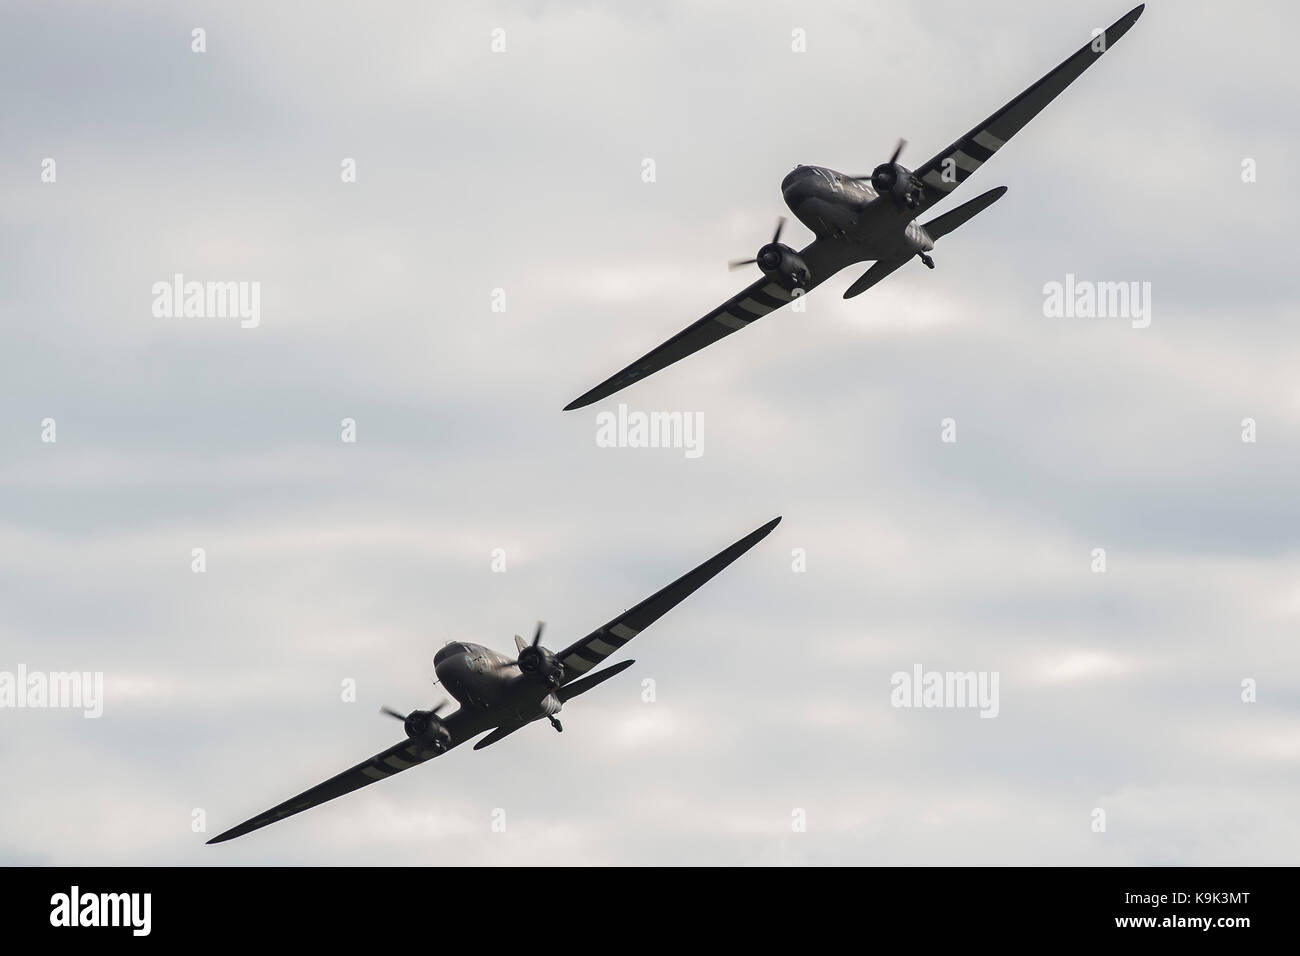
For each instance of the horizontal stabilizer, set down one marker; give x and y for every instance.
(963, 213)
(873, 275)
(582, 685)
(503, 731)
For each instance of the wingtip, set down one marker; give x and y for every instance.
(226, 836)
(1116, 30)
(767, 528)
(592, 396)
(1132, 15)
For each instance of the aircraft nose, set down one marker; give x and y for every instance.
(799, 186)
(794, 176)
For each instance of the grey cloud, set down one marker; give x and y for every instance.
(330, 562)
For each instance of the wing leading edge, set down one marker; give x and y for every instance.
(950, 168)
(823, 259)
(399, 757)
(581, 656)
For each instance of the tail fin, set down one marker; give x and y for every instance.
(937, 228)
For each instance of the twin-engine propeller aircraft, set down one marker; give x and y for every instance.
(861, 218)
(499, 694)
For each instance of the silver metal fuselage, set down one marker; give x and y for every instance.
(481, 679)
(839, 207)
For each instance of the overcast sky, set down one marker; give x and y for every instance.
(522, 170)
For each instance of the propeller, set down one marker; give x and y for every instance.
(533, 658)
(772, 255)
(530, 657)
(884, 173)
(536, 660)
(417, 720)
(523, 646)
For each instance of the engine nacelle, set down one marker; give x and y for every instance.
(424, 727)
(537, 661)
(898, 183)
(782, 264)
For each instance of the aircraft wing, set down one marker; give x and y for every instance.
(823, 259)
(395, 759)
(581, 656)
(942, 174)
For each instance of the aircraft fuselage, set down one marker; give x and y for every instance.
(840, 208)
(481, 679)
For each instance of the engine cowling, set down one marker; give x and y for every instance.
(424, 726)
(782, 264)
(898, 183)
(537, 661)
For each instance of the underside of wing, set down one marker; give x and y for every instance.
(952, 166)
(581, 656)
(395, 759)
(765, 295)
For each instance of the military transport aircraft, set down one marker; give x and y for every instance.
(861, 218)
(501, 695)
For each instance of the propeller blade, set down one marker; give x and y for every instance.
(402, 717)
(537, 635)
(898, 150)
(734, 264)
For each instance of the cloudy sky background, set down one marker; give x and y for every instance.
(329, 561)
